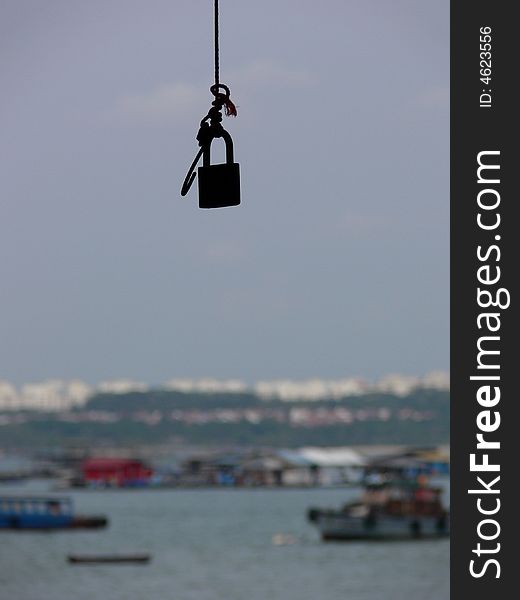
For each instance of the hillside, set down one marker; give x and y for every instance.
(159, 416)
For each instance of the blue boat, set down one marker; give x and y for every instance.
(44, 513)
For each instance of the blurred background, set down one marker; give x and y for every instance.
(202, 378)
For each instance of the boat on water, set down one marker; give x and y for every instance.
(389, 510)
(44, 513)
(116, 559)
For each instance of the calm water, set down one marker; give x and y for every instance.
(216, 545)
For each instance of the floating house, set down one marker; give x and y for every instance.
(411, 462)
(116, 472)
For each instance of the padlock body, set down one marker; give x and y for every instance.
(219, 185)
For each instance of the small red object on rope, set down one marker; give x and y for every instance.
(230, 108)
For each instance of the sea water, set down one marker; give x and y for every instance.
(216, 545)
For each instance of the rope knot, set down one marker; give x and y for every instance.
(223, 99)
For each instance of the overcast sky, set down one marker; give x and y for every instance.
(336, 263)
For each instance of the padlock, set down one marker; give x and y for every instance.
(219, 185)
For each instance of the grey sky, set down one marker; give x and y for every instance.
(336, 264)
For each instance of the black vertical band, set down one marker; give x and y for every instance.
(485, 251)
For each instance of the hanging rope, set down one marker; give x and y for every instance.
(211, 124)
(217, 58)
(223, 99)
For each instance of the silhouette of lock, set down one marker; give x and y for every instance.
(219, 185)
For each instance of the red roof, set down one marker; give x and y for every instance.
(110, 463)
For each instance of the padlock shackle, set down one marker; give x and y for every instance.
(204, 151)
(229, 149)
